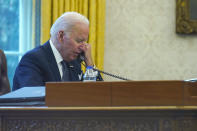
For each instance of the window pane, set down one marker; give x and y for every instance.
(9, 25)
(12, 62)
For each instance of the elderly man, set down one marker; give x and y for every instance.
(58, 59)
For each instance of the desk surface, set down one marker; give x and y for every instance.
(44, 108)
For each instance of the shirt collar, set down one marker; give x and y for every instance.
(56, 53)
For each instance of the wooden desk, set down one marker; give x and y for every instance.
(129, 93)
(109, 106)
(136, 118)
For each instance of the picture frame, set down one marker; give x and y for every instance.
(186, 16)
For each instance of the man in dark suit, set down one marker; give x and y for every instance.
(58, 59)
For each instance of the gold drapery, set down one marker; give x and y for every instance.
(94, 10)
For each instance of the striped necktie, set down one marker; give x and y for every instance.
(65, 71)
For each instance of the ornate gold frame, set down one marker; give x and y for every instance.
(184, 24)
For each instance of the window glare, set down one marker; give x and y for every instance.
(9, 25)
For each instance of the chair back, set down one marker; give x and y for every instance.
(4, 82)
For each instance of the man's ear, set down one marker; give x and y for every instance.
(60, 36)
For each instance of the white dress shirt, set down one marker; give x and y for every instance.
(58, 57)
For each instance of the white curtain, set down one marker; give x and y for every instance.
(25, 26)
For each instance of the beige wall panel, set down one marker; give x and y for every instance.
(141, 43)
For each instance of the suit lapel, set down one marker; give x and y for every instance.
(75, 71)
(51, 61)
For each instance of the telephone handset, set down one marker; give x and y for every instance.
(82, 56)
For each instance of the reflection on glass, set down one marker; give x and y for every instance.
(193, 9)
(12, 62)
(9, 25)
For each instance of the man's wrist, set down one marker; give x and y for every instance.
(92, 66)
(89, 64)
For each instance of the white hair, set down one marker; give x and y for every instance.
(66, 22)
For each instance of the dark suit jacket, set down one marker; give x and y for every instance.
(39, 66)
